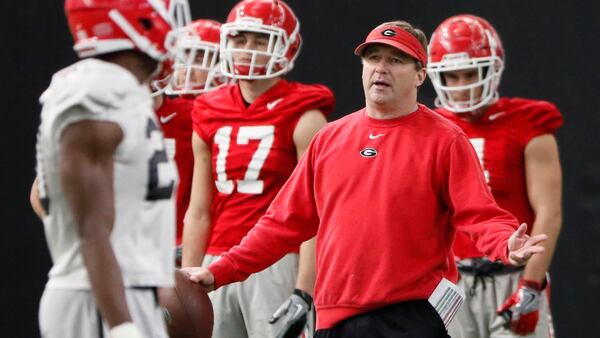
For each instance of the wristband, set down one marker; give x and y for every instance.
(124, 330)
(534, 285)
(305, 296)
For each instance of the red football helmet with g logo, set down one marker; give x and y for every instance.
(274, 19)
(104, 26)
(466, 42)
(195, 66)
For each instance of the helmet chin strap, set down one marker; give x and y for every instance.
(157, 70)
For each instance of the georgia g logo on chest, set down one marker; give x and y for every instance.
(250, 184)
(368, 152)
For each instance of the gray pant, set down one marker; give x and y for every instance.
(477, 317)
(69, 313)
(243, 309)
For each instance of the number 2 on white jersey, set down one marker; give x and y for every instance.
(250, 184)
(479, 146)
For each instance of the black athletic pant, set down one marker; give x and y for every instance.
(411, 319)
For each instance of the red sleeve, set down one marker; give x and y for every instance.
(540, 118)
(313, 97)
(322, 99)
(199, 112)
(290, 220)
(473, 208)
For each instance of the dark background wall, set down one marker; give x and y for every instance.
(552, 50)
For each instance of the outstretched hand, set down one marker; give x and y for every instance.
(522, 246)
(202, 276)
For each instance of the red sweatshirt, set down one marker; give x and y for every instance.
(384, 198)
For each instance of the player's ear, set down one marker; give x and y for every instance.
(420, 76)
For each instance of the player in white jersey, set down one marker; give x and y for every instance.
(104, 179)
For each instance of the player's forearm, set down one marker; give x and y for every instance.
(548, 223)
(196, 231)
(91, 200)
(544, 186)
(87, 179)
(306, 267)
(106, 279)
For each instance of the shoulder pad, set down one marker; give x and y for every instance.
(93, 84)
(542, 115)
(311, 96)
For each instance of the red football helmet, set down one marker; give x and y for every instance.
(195, 67)
(104, 26)
(273, 18)
(465, 42)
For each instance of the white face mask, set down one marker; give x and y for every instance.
(193, 57)
(489, 71)
(277, 52)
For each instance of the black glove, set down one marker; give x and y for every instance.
(296, 310)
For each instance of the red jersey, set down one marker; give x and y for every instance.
(499, 138)
(384, 198)
(253, 151)
(176, 123)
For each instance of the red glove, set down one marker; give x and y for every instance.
(521, 309)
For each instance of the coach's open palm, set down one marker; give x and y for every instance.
(521, 246)
(202, 276)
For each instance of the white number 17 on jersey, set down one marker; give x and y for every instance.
(250, 184)
(479, 146)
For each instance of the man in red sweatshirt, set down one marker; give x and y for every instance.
(384, 190)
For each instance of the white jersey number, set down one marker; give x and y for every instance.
(250, 184)
(479, 146)
(157, 189)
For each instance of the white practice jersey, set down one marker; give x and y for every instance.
(143, 236)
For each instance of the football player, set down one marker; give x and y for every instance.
(103, 176)
(195, 71)
(247, 140)
(514, 139)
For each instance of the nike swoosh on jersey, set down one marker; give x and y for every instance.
(372, 137)
(272, 104)
(496, 115)
(165, 119)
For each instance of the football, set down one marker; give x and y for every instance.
(187, 309)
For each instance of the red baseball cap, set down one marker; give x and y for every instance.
(396, 37)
